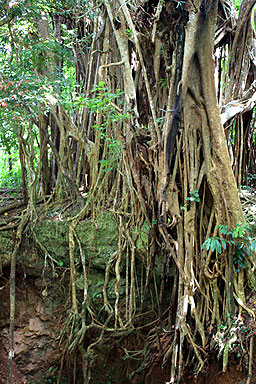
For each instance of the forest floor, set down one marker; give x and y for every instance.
(11, 205)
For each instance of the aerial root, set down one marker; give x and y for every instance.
(226, 351)
(196, 348)
(250, 361)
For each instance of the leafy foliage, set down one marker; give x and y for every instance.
(238, 4)
(240, 240)
(193, 196)
(10, 178)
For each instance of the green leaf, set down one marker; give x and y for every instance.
(253, 246)
(238, 231)
(213, 245)
(205, 244)
(223, 229)
(218, 247)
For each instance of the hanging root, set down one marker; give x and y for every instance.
(250, 360)
(226, 350)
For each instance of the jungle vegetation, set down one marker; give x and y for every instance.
(145, 109)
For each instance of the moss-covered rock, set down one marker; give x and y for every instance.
(99, 240)
(53, 236)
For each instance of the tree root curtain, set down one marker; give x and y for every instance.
(147, 143)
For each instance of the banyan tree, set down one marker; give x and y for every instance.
(144, 109)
